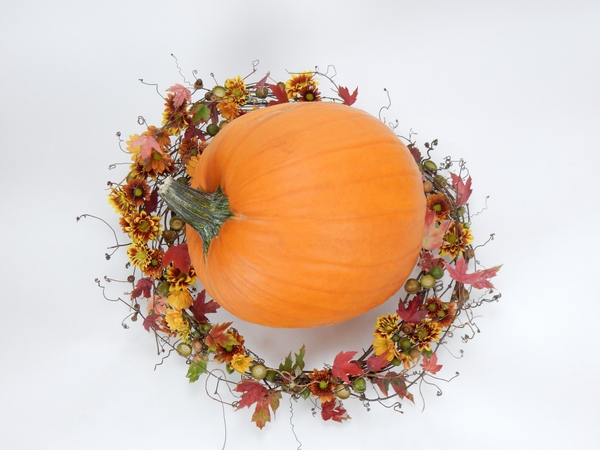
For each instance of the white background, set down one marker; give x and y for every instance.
(513, 87)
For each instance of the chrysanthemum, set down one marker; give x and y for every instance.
(236, 90)
(155, 268)
(229, 109)
(241, 363)
(133, 149)
(119, 201)
(425, 333)
(383, 345)
(159, 163)
(456, 240)
(440, 204)
(178, 279)
(387, 325)
(176, 322)
(180, 299)
(190, 167)
(139, 255)
(298, 82)
(161, 135)
(310, 94)
(137, 191)
(142, 227)
(175, 119)
(227, 353)
(189, 148)
(322, 385)
(440, 311)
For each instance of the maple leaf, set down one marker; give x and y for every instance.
(433, 237)
(428, 261)
(411, 313)
(151, 204)
(278, 92)
(479, 279)
(181, 94)
(334, 410)
(200, 113)
(179, 256)
(342, 366)
(260, 85)
(265, 399)
(345, 95)
(463, 190)
(142, 287)
(398, 384)
(430, 364)
(291, 366)
(150, 321)
(201, 307)
(196, 369)
(415, 152)
(376, 363)
(218, 336)
(147, 143)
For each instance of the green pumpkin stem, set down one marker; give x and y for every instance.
(205, 212)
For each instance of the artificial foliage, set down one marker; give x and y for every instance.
(435, 303)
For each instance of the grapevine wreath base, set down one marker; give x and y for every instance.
(435, 304)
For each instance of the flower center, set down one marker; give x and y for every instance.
(143, 225)
(138, 192)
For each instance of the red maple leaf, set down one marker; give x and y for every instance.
(278, 92)
(152, 202)
(415, 152)
(265, 399)
(150, 321)
(430, 364)
(463, 190)
(433, 237)
(142, 287)
(201, 307)
(334, 410)
(219, 336)
(260, 85)
(345, 95)
(398, 384)
(411, 313)
(376, 363)
(428, 261)
(181, 94)
(179, 256)
(342, 366)
(147, 143)
(479, 279)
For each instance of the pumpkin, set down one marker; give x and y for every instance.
(302, 214)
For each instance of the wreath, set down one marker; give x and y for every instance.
(435, 303)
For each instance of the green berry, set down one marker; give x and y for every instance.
(429, 165)
(163, 288)
(212, 129)
(176, 223)
(427, 281)
(342, 391)
(405, 343)
(219, 91)
(184, 350)
(437, 272)
(259, 371)
(359, 385)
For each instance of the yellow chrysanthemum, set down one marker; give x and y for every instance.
(384, 345)
(180, 299)
(133, 149)
(425, 333)
(119, 201)
(299, 82)
(177, 323)
(456, 241)
(180, 280)
(387, 325)
(139, 255)
(241, 363)
(236, 90)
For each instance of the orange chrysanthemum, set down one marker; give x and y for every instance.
(141, 226)
(440, 204)
(175, 119)
(322, 385)
(310, 94)
(440, 311)
(139, 255)
(119, 201)
(229, 109)
(227, 353)
(155, 268)
(137, 191)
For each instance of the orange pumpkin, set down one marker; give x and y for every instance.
(322, 213)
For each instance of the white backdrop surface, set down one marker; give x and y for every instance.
(513, 87)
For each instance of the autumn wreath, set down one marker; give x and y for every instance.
(435, 302)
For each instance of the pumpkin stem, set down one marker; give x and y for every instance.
(205, 212)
